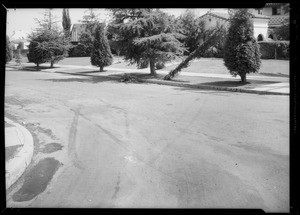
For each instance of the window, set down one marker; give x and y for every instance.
(275, 10)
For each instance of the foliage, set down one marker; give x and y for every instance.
(217, 50)
(47, 43)
(283, 32)
(66, 22)
(101, 55)
(212, 36)
(192, 28)
(9, 52)
(47, 46)
(275, 49)
(18, 57)
(86, 40)
(147, 35)
(127, 78)
(242, 53)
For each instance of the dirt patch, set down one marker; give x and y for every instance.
(37, 179)
(51, 147)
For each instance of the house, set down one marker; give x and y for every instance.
(260, 22)
(76, 31)
(278, 13)
(19, 40)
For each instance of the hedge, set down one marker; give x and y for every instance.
(274, 49)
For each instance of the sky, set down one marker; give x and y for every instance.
(24, 19)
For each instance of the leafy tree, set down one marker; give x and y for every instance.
(147, 35)
(283, 31)
(86, 40)
(9, 52)
(242, 53)
(18, 57)
(101, 55)
(212, 36)
(66, 22)
(47, 43)
(192, 28)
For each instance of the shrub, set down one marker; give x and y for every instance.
(78, 51)
(9, 53)
(159, 65)
(142, 64)
(275, 49)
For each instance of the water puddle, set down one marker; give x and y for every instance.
(51, 147)
(37, 179)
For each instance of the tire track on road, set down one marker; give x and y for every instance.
(72, 140)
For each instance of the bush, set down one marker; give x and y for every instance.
(78, 51)
(142, 64)
(159, 65)
(275, 49)
(9, 53)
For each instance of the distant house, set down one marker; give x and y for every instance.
(278, 13)
(76, 31)
(19, 40)
(260, 22)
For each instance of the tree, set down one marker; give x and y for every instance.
(241, 55)
(47, 43)
(18, 57)
(212, 36)
(9, 52)
(66, 22)
(192, 28)
(101, 55)
(147, 35)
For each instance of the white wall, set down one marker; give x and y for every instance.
(260, 26)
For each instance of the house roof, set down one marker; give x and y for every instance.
(76, 30)
(274, 4)
(277, 20)
(225, 16)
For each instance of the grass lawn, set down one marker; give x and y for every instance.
(203, 65)
(216, 66)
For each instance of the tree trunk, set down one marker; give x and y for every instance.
(51, 64)
(101, 68)
(196, 53)
(38, 65)
(152, 67)
(243, 77)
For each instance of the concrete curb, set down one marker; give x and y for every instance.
(16, 166)
(176, 84)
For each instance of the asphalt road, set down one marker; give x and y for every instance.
(143, 145)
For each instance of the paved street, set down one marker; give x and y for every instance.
(143, 145)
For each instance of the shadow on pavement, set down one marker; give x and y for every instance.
(250, 83)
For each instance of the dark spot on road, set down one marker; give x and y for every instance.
(37, 179)
(11, 151)
(51, 147)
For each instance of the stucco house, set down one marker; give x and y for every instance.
(278, 13)
(76, 30)
(260, 22)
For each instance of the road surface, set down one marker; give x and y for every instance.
(141, 145)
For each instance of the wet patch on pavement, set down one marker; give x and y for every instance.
(37, 179)
(11, 151)
(51, 147)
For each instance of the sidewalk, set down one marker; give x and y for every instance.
(259, 84)
(18, 151)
